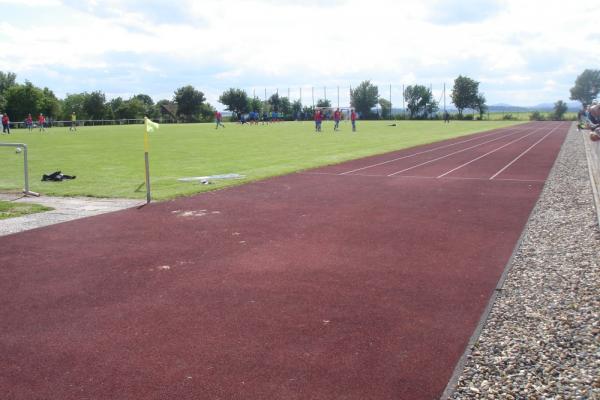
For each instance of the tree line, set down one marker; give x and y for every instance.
(364, 98)
(19, 100)
(189, 104)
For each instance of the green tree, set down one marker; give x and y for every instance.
(323, 103)
(7, 80)
(22, 100)
(536, 116)
(275, 102)
(364, 97)
(480, 105)
(587, 87)
(73, 103)
(189, 102)
(236, 101)
(285, 106)
(386, 108)
(114, 107)
(419, 101)
(150, 110)
(94, 105)
(49, 104)
(464, 93)
(206, 112)
(560, 108)
(133, 108)
(255, 104)
(308, 111)
(296, 109)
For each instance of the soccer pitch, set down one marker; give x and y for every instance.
(109, 160)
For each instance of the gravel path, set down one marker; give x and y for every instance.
(541, 339)
(64, 209)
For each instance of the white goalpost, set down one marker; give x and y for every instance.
(22, 147)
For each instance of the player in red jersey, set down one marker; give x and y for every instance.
(353, 117)
(42, 122)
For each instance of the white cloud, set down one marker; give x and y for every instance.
(156, 46)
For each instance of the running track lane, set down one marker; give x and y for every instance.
(306, 286)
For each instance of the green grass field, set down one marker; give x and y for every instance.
(9, 209)
(109, 160)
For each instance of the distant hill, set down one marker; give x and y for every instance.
(573, 106)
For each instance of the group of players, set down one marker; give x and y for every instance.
(337, 117)
(590, 119)
(28, 123)
(254, 117)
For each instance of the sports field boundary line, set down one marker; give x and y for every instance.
(460, 365)
(427, 151)
(456, 178)
(486, 154)
(522, 154)
(456, 152)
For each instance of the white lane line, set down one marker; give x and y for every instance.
(522, 154)
(427, 177)
(426, 151)
(484, 155)
(451, 154)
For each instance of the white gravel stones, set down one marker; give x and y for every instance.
(541, 339)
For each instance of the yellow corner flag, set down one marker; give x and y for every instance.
(151, 126)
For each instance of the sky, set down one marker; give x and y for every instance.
(523, 52)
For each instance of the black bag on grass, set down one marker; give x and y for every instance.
(56, 177)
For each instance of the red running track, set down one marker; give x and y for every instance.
(327, 284)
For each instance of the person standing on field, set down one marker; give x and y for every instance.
(218, 119)
(29, 122)
(337, 115)
(318, 120)
(353, 119)
(446, 117)
(73, 126)
(5, 124)
(42, 122)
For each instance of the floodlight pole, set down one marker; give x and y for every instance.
(350, 94)
(325, 92)
(403, 107)
(312, 89)
(338, 94)
(444, 96)
(390, 102)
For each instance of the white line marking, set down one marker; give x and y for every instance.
(501, 130)
(427, 177)
(485, 155)
(523, 153)
(451, 154)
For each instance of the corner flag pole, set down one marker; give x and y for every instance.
(149, 126)
(146, 160)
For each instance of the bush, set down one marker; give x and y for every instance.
(536, 116)
(508, 117)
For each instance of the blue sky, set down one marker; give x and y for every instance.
(522, 52)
